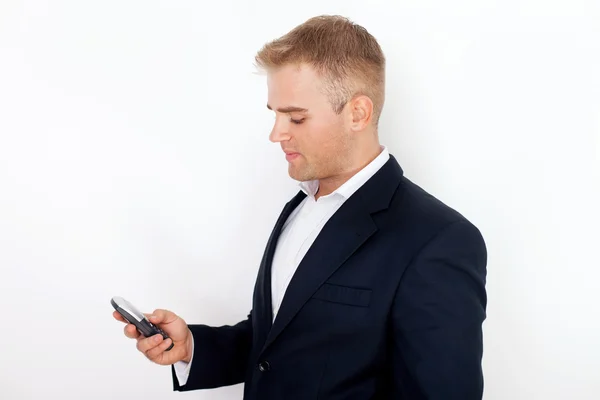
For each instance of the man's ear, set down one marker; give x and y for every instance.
(361, 112)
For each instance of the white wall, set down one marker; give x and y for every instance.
(135, 161)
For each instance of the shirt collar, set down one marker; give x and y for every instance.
(352, 184)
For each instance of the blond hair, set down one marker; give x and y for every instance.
(347, 56)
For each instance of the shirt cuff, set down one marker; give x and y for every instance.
(182, 368)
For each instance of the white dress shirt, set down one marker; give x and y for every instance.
(300, 231)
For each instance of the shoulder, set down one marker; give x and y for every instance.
(416, 213)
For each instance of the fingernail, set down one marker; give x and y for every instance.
(157, 338)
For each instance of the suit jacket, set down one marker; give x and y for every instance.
(388, 303)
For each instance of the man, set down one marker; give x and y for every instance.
(369, 286)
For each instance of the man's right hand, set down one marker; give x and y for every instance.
(154, 347)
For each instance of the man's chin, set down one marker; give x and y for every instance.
(298, 174)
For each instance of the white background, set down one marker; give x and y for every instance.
(135, 161)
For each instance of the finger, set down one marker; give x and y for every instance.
(162, 317)
(119, 317)
(131, 331)
(154, 353)
(146, 344)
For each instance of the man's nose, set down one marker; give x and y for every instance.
(279, 133)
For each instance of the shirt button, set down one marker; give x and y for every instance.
(264, 366)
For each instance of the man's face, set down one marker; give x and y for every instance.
(314, 138)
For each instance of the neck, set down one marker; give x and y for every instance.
(358, 162)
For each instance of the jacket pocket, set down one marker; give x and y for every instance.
(344, 295)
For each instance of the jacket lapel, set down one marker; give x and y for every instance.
(262, 309)
(341, 236)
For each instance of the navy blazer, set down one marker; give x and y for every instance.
(388, 303)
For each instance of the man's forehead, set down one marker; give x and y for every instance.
(291, 86)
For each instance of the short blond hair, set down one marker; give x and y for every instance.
(347, 56)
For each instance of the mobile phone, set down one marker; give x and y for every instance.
(135, 317)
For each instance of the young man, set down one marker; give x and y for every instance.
(369, 286)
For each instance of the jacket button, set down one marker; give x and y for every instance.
(264, 366)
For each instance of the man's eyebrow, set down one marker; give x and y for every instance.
(289, 109)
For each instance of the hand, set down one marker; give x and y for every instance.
(154, 347)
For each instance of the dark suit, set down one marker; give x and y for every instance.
(388, 303)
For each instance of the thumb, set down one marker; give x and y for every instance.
(162, 317)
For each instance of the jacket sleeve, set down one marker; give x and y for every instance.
(220, 356)
(438, 312)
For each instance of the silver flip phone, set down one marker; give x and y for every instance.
(135, 317)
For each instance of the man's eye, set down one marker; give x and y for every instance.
(297, 121)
